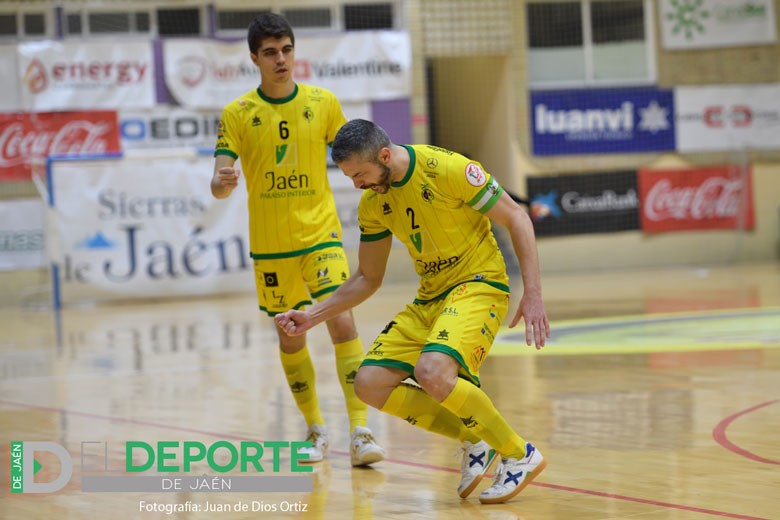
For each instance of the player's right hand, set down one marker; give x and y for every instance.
(228, 176)
(293, 322)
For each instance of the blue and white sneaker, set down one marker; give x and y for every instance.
(477, 459)
(513, 476)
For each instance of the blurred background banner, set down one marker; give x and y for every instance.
(89, 75)
(716, 23)
(584, 203)
(682, 199)
(27, 139)
(728, 117)
(143, 226)
(21, 234)
(355, 66)
(602, 121)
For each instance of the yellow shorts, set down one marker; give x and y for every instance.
(292, 283)
(462, 325)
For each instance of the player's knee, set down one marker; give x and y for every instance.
(363, 387)
(342, 328)
(367, 391)
(436, 382)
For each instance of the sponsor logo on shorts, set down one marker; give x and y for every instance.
(270, 279)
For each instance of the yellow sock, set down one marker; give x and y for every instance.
(349, 355)
(300, 376)
(475, 409)
(415, 406)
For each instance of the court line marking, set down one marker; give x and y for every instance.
(719, 434)
(512, 341)
(392, 461)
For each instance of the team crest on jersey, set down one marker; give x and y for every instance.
(426, 194)
(475, 175)
(308, 114)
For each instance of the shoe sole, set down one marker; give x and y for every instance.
(518, 489)
(369, 458)
(313, 461)
(471, 487)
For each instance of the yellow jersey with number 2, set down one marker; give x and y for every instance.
(437, 211)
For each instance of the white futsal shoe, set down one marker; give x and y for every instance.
(513, 475)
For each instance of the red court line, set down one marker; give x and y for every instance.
(393, 461)
(719, 434)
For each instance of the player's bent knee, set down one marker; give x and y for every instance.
(369, 390)
(437, 383)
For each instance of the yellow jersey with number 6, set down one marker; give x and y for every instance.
(282, 145)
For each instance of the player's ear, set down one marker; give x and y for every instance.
(384, 155)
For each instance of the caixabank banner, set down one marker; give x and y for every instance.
(601, 121)
(584, 203)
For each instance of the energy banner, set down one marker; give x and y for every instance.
(85, 75)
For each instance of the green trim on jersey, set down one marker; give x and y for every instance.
(230, 153)
(297, 306)
(389, 363)
(278, 101)
(412, 163)
(496, 285)
(454, 354)
(290, 254)
(375, 236)
(324, 291)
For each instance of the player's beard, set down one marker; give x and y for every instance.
(383, 184)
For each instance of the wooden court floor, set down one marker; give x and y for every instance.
(658, 397)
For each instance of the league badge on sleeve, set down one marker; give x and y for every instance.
(475, 175)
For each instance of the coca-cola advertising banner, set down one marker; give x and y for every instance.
(584, 203)
(728, 117)
(356, 66)
(85, 75)
(680, 199)
(144, 227)
(26, 140)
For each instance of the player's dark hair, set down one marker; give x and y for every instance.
(268, 25)
(361, 137)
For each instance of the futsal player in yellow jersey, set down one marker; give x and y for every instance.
(280, 132)
(439, 204)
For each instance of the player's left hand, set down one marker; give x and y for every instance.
(537, 326)
(293, 322)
